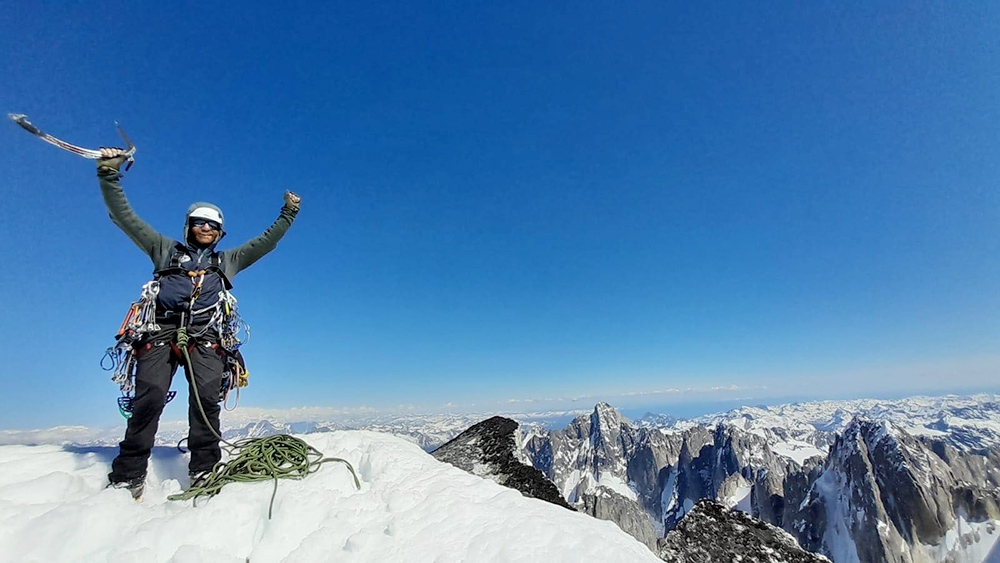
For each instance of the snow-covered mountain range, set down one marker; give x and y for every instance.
(709, 533)
(964, 422)
(858, 481)
(867, 480)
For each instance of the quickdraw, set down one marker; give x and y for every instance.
(234, 332)
(120, 358)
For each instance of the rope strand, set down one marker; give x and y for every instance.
(254, 459)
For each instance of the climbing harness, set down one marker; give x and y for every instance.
(253, 459)
(140, 322)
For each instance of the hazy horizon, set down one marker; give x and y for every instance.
(554, 413)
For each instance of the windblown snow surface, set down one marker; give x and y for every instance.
(54, 507)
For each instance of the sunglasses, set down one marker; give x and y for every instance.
(211, 224)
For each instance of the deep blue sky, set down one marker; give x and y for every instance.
(519, 201)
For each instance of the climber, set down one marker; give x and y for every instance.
(193, 276)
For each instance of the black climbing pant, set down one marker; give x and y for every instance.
(157, 361)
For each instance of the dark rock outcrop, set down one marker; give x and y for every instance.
(710, 533)
(489, 449)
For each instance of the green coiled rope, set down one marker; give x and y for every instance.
(254, 459)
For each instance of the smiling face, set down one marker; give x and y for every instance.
(204, 232)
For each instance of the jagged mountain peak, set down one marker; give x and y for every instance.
(872, 430)
(604, 411)
(877, 435)
(607, 424)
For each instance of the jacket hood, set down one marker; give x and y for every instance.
(205, 210)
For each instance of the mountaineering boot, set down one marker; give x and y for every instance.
(198, 478)
(135, 486)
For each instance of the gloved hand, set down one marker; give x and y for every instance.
(292, 201)
(111, 160)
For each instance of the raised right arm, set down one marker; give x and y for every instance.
(142, 234)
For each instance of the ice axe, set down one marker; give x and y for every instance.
(92, 154)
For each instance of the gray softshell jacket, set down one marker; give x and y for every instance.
(161, 249)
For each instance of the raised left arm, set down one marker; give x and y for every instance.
(245, 255)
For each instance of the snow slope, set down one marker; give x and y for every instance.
(54, 507)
